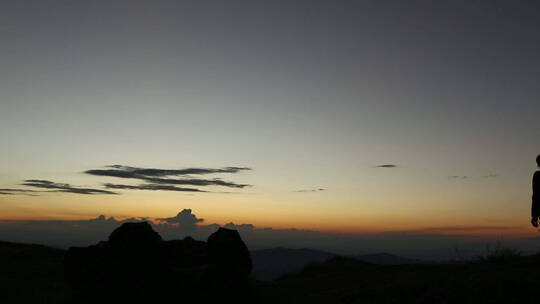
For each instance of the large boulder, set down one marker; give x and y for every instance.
(229, 252)
(136, 265)
(133, 235)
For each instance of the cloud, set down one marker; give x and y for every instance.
(135, 172)
(194, 182)
(184, 219)
(60, 233)
(240, 227)
(19, 192)
(311, 190)
(454, 229)
(153, 187)
(187, 171)
(428, 243)
(163, 176)
(386, 166)
(491, 175)
(61, 187)
(154, 179)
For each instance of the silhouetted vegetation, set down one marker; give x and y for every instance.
(498, 253)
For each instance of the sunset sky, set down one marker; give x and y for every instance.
(339, 116)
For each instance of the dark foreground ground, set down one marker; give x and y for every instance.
(33, 274)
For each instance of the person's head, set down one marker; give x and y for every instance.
(538, 160)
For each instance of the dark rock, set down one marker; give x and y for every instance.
(136, 265)
(229, 251)
(134, 235)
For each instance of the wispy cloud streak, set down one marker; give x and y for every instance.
(310, 190)
(195, 182)
(153, 179)
(167, 179)
(9, 191)
(61, 187)
(135, 172)
(386, 166)
(151, 187)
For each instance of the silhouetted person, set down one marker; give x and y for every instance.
(535, 209)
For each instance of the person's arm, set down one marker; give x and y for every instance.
(535, 208)
(536, 185)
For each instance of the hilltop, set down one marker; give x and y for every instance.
(347, 280)
(34, 274)
(269, 264)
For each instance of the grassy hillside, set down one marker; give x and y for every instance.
(31, 274)
(346, 280)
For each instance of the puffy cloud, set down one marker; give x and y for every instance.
(184, 218)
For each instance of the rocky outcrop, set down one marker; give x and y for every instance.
(231, 255)
(135, 265)
(133, 235)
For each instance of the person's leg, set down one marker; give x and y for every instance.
(535, 212)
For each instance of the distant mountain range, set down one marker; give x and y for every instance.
(269, 264)
(388, 259)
